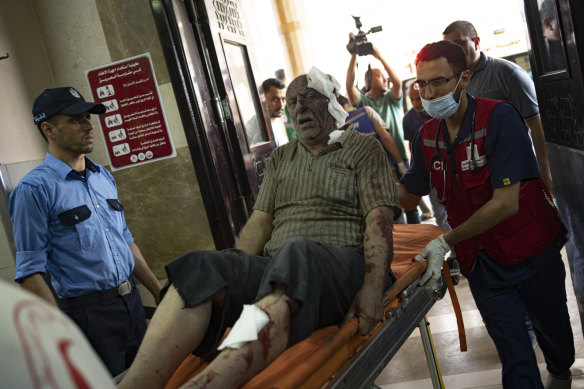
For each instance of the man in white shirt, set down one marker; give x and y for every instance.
(275, 92)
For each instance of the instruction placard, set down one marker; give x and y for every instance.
(134, 126)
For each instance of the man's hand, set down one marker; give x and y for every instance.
(351, 44)
(144, 274)
(378, 253)
(36, 284)
(434, 252)
(367, 307)
(401, 167)
(376, 52)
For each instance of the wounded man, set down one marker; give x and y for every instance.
(316, 251)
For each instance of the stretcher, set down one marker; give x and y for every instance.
(334, 357)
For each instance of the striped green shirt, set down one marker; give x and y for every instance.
(326, 197)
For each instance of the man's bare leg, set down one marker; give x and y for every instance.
(173, 333)
(233, 368)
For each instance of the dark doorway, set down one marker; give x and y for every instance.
(557, 57)
(223, 114)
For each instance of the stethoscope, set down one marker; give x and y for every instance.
(438, 157)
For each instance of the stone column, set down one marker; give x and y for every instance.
(295, 34)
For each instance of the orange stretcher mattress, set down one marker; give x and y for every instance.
(311, 363)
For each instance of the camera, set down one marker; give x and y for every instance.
(361, 46)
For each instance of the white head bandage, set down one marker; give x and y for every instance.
(328, 86)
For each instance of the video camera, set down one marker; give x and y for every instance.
(361, 47)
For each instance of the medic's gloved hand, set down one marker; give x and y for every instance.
(401, 167)
(435, 252)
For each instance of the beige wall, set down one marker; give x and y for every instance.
(51, 43)
(19, 37)
(7, 268)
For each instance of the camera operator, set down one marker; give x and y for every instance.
(387, 102)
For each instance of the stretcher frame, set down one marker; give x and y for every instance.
(362, 369)
(339, 357)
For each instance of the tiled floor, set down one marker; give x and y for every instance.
(479, 367)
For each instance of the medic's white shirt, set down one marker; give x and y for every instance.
(279, 131)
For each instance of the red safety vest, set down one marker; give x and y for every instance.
(515, 239)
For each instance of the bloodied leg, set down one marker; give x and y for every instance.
(233, 367)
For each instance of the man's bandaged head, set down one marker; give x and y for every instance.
(328, 86)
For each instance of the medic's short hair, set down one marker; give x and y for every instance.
(443, 49)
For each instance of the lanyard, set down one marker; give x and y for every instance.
(442, 162)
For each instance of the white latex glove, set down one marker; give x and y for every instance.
(401, 166)
(435, 252)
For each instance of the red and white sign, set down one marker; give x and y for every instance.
(134, 126)
(43, 348)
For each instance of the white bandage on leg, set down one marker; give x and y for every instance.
(246, 328)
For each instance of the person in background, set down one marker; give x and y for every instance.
(290, 131)
(496, 78)
(367, 121)
(550, 26)
(384, 95)
(507, 234)
(412, 122)
(68, 222)
(315, 251)
(275, 92)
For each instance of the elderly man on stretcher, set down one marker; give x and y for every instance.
(316, 250)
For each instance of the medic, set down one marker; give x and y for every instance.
(478, 157)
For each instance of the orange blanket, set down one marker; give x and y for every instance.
(310, 363)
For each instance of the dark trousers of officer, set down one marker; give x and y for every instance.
(543, 297)
(114, 325)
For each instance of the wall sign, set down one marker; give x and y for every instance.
(134, 126)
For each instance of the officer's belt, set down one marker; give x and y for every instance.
(121, 290)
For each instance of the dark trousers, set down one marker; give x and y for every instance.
(323, 278)
(114, 327)
(543, 297)
(413, 216)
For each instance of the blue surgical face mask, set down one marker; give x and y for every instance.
(442, 107)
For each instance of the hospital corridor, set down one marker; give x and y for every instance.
(208, 193)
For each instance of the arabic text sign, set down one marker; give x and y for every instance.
(134, 126)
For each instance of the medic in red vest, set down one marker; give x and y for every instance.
(476, 154)
(464, 188)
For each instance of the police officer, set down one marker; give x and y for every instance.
(68, 221)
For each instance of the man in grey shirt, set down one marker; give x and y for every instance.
(499, 79)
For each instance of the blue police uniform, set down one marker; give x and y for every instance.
(73, 226)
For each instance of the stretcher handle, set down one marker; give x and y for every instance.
(455, 305)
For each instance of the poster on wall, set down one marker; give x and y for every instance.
(134, 127)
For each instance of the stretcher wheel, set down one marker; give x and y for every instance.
(454, 270)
